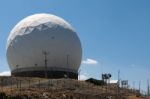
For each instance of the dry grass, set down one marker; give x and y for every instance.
(40, 88)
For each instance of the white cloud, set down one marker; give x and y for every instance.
(5, 73)
(82, 77)
(89, 61)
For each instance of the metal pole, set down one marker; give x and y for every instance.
(45, 60)
(17, 68)
(36, 70)
(148, 90)
(118, 89)
(11, 84)
(139, 86)
(134, 87)
(17, 76)
(68, 65)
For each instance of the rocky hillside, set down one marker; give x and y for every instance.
(39, 88)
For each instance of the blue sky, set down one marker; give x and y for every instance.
(115, 34)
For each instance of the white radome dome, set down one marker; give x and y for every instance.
(40, 33)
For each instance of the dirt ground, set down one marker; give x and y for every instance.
(39, 88)
(134, 97)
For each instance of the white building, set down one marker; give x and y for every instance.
(44, 45)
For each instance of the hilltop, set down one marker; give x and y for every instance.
(41, 88)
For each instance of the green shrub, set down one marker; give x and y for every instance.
(95, 81)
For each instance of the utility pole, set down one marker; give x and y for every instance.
(139, 86)
(148, 90)
(134, 87)
(45, 61)
(36, 69)
(118, 89)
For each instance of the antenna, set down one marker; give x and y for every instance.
(148, 90)
(45, 53)
(139, 86)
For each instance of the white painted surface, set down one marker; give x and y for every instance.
(43, 32)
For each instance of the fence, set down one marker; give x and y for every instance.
(39, 88)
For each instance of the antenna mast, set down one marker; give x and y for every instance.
(45, 61)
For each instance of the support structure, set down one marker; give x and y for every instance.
(148, 89)
(45, 61)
